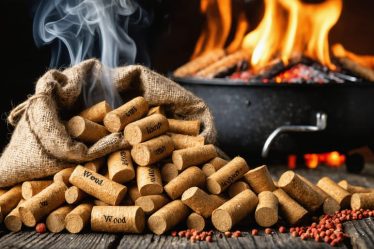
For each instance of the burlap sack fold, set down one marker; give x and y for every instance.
(40, 145)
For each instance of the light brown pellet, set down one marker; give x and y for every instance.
(97, 185)
(234, 210)
(149, 180)
(56, 220)
(97, 112)
(213, 165)
(266, 214)
(186, 127)
(39, 206)
(185, 141)
(342, 196)
(168, 172)
(191, 177)
(85, 130)
(120, 166)
(152, 151)
(133, 110)
(193, 156)
(228, 174)
(117, 219)
(146, 128)
(289, 209)
(167, 217)
(31, 188)
(78, 218)
(151, 203)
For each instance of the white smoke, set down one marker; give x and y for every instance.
(90, 28)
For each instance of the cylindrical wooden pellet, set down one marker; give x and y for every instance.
(213, 165)
(185, 141)
(289, 209)
(9, 200)
(97, 112)
(85, 130)
(117, 219)
(330, 205)
(13, 220)
(78, 218)
(193, 156)
(353, 188)
(300, 191)
(186, 127)
(133, 110)
(362, 200)
(40, 205)
(167, 217)
(151, 203)
(152, 151)
(2, 191)
(31, 188)
(168, 172)
(201, 202)
(342, 196)
(97, 185)
(266, 214)
(73, 195)
(95, 165)
(149, 180)
(156, 110)
(56, 220)
(100, 203)
(234, 210)
(146, 128)
(260, 179)
(237, 187)
(191, 177)
(120, 167)
(228, 174)
(63, 176)
(134, 192)
(196, 221)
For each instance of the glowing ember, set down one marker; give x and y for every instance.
(332, 159)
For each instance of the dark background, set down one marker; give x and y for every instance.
(170, 40)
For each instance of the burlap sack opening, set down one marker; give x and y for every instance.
(40, 145)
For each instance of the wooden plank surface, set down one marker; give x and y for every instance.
(361, 232)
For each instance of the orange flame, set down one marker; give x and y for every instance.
(288, 29)
(217, 26)
(305, 27)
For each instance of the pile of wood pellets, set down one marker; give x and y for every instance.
(169, 178)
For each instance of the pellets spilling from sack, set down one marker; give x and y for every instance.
(171, 178)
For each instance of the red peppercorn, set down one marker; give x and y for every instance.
(228, 234)
(304, 236)
(220, 236)
(268, 230)
(282, 229)
(208, 239)
(294, 234)
(40, 228)
(254, 232)
(317, 238)
(193, 239)
(328, 233)
(174, 233)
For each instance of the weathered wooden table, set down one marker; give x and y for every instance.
(361, 232)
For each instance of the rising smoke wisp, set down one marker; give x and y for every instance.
(82, 29)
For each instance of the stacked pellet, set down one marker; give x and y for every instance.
(168, 177)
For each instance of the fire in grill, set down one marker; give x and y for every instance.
(289, 45)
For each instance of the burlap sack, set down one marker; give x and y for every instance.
(40, 145)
